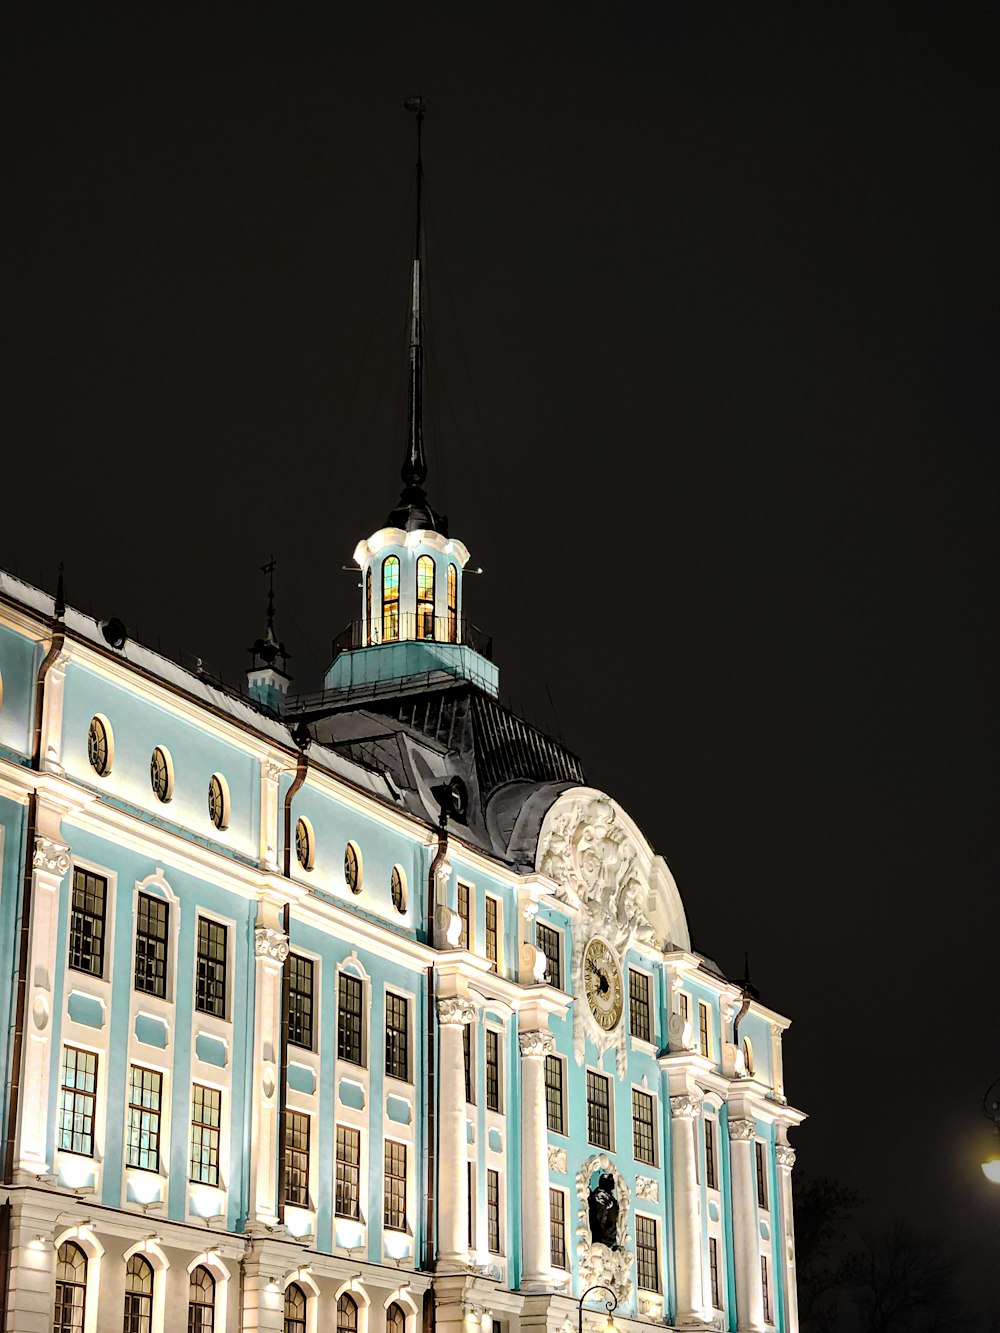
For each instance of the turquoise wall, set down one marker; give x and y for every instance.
(20, 658)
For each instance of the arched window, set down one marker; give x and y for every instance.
(452, 604)
(368, 605)
(347, 1314)
(201, 1301)
(138, 1296)
(71, 1289)
(295, 1309)
(395, 1319)
(425, 597)
(390, 599)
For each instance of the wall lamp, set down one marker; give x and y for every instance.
(610, 1306)
(991, 1109)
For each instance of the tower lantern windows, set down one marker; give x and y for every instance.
(390, 599)
(452, 603)
(425, 597)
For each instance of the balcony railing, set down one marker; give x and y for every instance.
(411, 626)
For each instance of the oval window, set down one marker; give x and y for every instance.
(99, 745)
(398, 889)
(352, 867)
(748, 1057)
(305, 849)
(161, 774)
(218, 801)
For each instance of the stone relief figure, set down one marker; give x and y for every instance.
(603, 1208)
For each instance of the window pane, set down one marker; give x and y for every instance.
(493, 1211)
(492, 1070)
(638, 1004)
(151, 921)
(300, 1001)
(347, 1194)
(206, 1119)
(350, 1001)
(142, 1143)
(550, 943)
(554, 1094)
(77, 1095)
(297, 1159)
(647, 1253)
(86, 927)
(394, 1211)
(643, 1146)
(397, 1037)
(557, 1215)
(210, 978)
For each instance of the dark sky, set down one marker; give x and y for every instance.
(713, 297)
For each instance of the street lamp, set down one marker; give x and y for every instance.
(611, 1306)
(991, 1109)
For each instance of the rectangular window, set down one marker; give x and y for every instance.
(643, 1141)
(685, 1009)
(711, 1170)
(493, 1211)
(557, 1228)
(704, 1031)
(765, 1281)
(142, 1136)
(77, 1097)
(297, 1159)
(206, 1121)
(210, 977)
(347, 1191)
(761, 1174)
(492, 1070)
(638, 1004)
(350, 1018)
(394, 1210)
(397, 1036)
(463, 912)
(86, 923)
(300, 1001)
(598, 1110)
(467, 1055)
(554, 1108)
(713, 1269)
(152, 920)
(492, 932)
(647, 1253)
(471, 1189)
(549, 941)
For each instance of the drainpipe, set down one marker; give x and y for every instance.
(430, 1214)
(24, 929)
(301, 739)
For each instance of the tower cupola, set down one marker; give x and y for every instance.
(268, 679)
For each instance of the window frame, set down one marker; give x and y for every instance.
(464, 893)
(760, 1165)
(561, 1263)
(470, 1063)
(142, 1121)
(394, 1186)
(705, 1029)
(204, 1138)
(493, 931)
(424, 600)
(639, 1097)
(142, 1310)
(303, 1041)
(209, 1305)
(711, 1153)
(559, 1063)
(451, 593)
(642, 1221)
(64, 1285)
(220, 818)
(343, 978)
(553, 975)
(406, 1037)
(291, 1323)
(390, 601)
(79, 1096)
(213, 923)
(605, 1080)
(493, 1043)
(494, 1213)
(714, 1273)
(99, 725)
(162, 787)
(347, 1172)
(78, 913)
(298, 1159)
(148, 954)
(643, 1010)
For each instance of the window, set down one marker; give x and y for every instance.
(557, 1228)
(152, 919)
(462, 900)
(138, 1296)
(305, 845)
(598, 1110)
(493, 1211)
(492, 932)
(554, 1109)
(685, 1009)
(549, 941)
(77, 1095)
(300, 1001)
(713, 1271)
(142, 1135)
(347, 1315)
(643, 1140)
(297, 1159)
(397, 1036)
(638, 1004)
(397, 890)
(748, 1063)
(352, 867)
(647, 1253)
(390, 598)
(99, 745)
(71, 1289)
(394, 1186)
(368, 605)
(210, 975)
(206, 1120)
(765, 1282)
(86, 926)
(761, 1174)
(348, 1191)
(295, 1310)
(467, 1055)
(218, 801)
(425, 597)
(704, 1031)
(350, 1015)
(452, 604)
(395, 1319)
(470, 1169)
(161, 774)
(711, 1169)
(493, 1070)
(201, 1301)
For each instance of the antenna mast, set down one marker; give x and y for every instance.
(414, 469)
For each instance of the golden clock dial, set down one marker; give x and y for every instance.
(602, 980)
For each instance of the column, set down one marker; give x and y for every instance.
(685, 1112)
(786, 1255)
(746, 1228)
(270, 812)
(271, 950)
(51, 738)
(536, 1247)
(262, 1289)
(452, 1178)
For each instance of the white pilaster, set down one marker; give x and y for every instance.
(786, 1160)
(52, 714)
(270, 811)
(271, 949)
(453, 1200)
(685, 1114)
(746, 1227)
(536, 1260)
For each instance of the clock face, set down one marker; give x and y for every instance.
(602, 979)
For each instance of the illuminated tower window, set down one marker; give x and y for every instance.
(368, 606)
(452, 604)
(425, 597)
(390, 599)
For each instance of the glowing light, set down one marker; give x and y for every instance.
(145, 1188)
(299, 1223)
(396, 1246)
(991, 1170)
(207, 1202)
(350, 1235)
(76, 1174)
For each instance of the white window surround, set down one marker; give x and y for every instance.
(222, 1275)
(390, 1083)
(160, 1264)
(657, 1231)
(654, 1107)
(212, 1023)
(157, 886)
(93, 1249)
(354, 1288)
(353, 966)
(610, 1084)
(143, 1182)
(75, 979)
(406, 1303)
(564, 1132)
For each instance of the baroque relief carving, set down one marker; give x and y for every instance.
(536, 1042)
(647, 1188)
(686, 1107)
(271, 943)
(455, 1009)
(51, 856)
(742, 1130)
(600, 1263)
(785, 1155)
(557, 1159)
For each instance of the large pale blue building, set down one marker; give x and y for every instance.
(358, 1009)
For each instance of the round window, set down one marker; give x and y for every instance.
(99, 746)
(218, 801)
(305, 851)
(161, 774)
(398, 889)
(352, 868)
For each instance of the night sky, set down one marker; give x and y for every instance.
(712, 400)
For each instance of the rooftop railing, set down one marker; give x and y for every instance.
(411, 627)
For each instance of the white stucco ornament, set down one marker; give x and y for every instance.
(599, 1263)
(51, 856)
(271, 943)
